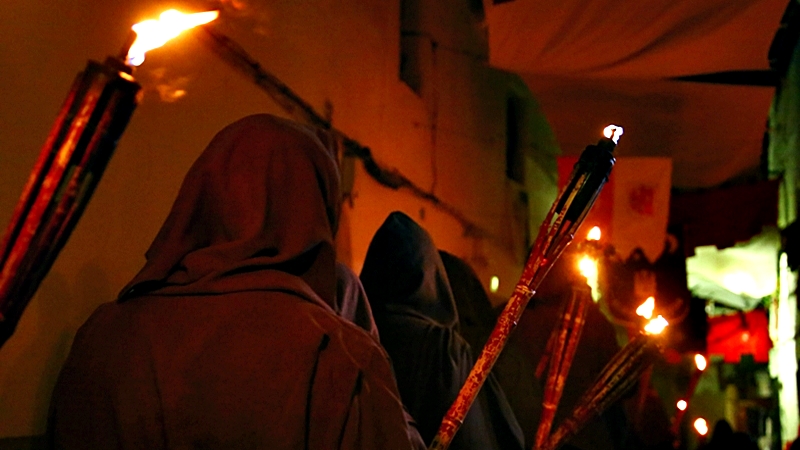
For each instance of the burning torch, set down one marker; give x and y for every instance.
(588, 176)
(564, 339)
(618, 376)
(71, 163)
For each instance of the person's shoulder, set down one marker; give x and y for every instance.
(336, 324)
(346, 336)
(106, 315)
(114, 318)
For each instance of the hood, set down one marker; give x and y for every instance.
(403, 272)
(351, 300)
(257, 211)
(476, 316)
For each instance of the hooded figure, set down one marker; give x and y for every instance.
(352, 305)
(414, 309)
(228, 337)
(723, 437)
(351, 300)
(477, 319)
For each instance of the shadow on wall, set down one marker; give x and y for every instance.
(43, 339)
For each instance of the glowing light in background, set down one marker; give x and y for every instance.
(594, 234)
(746, 271)
(701, 426)
(646, 309)
(740, 282)
(682, 405)
(613, 132)
(494, 284)
(782, 357)
(700, 362)
(656, 326)
(152, 34)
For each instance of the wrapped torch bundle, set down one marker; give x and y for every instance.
(557, 231)
(564, 340)
(83, 138)
(616, 378)
(80, 144)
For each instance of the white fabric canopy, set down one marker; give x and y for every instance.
(594, 63)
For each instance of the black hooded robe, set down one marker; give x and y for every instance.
(414, 309)
(228, 337)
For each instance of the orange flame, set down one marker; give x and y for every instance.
(656, 326)
(587, 267)
(700, 362)
(646, 309)
(613, 132)
(594, 234)
(701, 426)
(682, 405)
(152, 34)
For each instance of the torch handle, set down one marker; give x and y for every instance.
(81, 142)
(555, 234)
(616, 378)
(38, 174)
(568, 336)
(483, 366)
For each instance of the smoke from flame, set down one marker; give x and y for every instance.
(152, 34)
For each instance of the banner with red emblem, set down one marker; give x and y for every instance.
(633, 208)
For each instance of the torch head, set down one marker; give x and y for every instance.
(613, 132)
(590, 174)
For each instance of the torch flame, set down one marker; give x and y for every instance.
(588, 267)
(646, 309)
(700, 361)
(613, 132)
(152, 34)
(701, 426)
(594, 234)
(682, 405)
(656, 325)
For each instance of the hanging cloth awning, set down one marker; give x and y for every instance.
(610, 39)
(723, 217)
(593, 63)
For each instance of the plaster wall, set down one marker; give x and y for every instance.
(449, 139)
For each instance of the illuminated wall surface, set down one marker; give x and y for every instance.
(449, 138)
(784, 155)
(740, 277)
(783, 356)
(744, 274)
